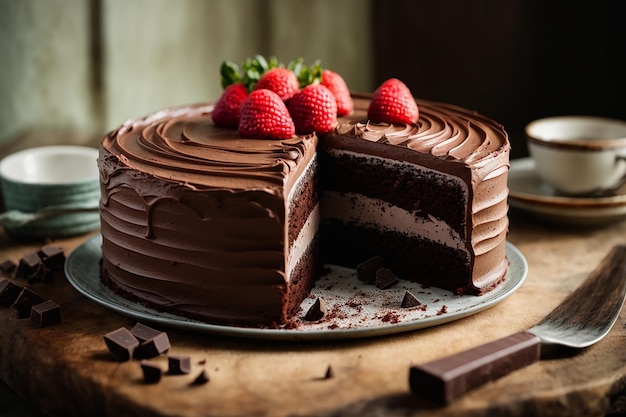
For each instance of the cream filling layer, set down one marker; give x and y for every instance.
(303, 241)
(352, 207)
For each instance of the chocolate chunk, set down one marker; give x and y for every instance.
(30, 267)
(152, 372)
(46, 314)
(366, 271)
(8, 292)
(178, 365)
(143, 332)
(121, 343)
(52, 257)
(329, 373)
(7, 266)
(201, 379)
(410, 300)
(25, 301)
(385, 279)
(153, 347)
(317, 311)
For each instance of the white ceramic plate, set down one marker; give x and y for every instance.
(355, 309)
(528, 192)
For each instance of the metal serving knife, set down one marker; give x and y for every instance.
(582, 319)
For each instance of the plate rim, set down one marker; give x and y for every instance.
(517, 264)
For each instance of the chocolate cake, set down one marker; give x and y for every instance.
(199, 221)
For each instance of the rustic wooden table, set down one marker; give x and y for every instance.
(66, 369)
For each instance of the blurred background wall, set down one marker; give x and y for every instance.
(73, 69)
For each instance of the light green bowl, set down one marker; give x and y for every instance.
(50, 192)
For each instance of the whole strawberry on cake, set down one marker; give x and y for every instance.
(225, 212)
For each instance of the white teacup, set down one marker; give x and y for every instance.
(50, 192)
(579, 154)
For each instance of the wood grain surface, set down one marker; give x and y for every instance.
(66, 369)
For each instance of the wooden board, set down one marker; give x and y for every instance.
(67, 370)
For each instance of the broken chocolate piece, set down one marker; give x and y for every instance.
(179, 365)
(7, 266)
(410, 300)
(329, 373)
(152, 372)
(8, 292)
(317, 311)
(52, 257)
(385, 279)
(45, 314)
(201, 379)
(153, 347)
(143, 332)
(30, 266)
(26, 299)
(121, 343)
(366, 271)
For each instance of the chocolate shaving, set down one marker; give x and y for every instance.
(121, 343)
(46, 314)
(317, 311)
(366, 270)
(410, 300)
(179, 365)
(201, 379)
(385, 279)
(152, 372)
(8, 292)
(25, 302)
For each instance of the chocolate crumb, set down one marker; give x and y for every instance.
(201, 379)
(179, 365)
(8, 292)
(385, 279)
(45, 314)
(25, 301)
(121, 343)
(443, 310)
(152, 372)
(366, 270)
(410, 300)
(317, 311)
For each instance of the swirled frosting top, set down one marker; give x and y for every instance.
(182, 144)
(443, 130)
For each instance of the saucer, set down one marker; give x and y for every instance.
(529, 193)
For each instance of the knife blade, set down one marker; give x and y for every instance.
(582, 319)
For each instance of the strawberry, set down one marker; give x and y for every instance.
(227, 109)
(313, 109)
(339, 88)
(264, 115)
(282, 81)
(393, 103)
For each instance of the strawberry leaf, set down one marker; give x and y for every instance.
(229, 72)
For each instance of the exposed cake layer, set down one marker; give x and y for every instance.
(195, 219)
(445, 176)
